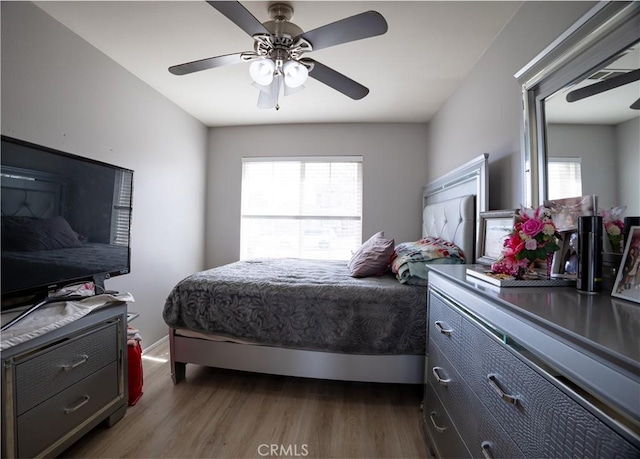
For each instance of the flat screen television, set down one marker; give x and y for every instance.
(65, 220)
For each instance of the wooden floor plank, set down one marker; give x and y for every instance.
(219, 413)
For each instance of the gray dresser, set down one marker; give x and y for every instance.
(529, 372)
(58, 386)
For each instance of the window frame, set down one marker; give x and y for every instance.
(301, 215)
(568, 160)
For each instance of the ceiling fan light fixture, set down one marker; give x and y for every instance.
(269, 95)
(261, 71)
(266, 100)
(261, 87)
(289, 91)
(295, 74)
(276, 61)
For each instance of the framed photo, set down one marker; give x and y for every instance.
(565, 212)
(565, 260)
(495, 226)
(627, 284)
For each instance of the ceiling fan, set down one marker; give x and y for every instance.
(606, 85)
(277, 60)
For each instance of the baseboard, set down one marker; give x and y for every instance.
(154, 345)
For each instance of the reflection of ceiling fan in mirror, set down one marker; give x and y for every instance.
(610, 79)
(277, 63)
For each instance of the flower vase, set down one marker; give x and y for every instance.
(615, 242)
(528, 272)
(549, 264)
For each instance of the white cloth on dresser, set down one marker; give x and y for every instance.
(56, 315)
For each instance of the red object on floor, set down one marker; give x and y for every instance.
(135, 372)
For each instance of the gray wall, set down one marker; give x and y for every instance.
(597, 146)
(394, 168)
(484, 114)
(59, 91)
(628, 143)
(610, 160)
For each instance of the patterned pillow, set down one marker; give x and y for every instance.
(373, 257)
(427, 250)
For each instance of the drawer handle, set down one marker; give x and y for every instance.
(504, 396)
(442, 381)
(433, 421)
(79, 405)
(83, 359)
(441, 329)
(486, 450)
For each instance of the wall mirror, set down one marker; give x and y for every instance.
(582, 112)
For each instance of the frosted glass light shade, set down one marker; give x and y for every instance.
(295, 74)
(261, 71)
(289, 91)
(266, 100)
(268, 97)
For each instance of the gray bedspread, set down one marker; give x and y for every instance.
(302, 304)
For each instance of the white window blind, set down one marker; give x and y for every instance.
(121, 215)
(565, 177)
(301, 207)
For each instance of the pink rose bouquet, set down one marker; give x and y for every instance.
(534, 237)
(613, 226)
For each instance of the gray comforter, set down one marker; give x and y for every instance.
(302, 304)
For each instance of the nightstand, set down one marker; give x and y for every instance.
(58, 386)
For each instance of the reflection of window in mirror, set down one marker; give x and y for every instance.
(565, 177)
(596, 120)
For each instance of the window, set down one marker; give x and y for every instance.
(121, 215)
(301, 207)
(565, 178)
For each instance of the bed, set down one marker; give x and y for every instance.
(311, 318)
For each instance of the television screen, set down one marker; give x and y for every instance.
(65, 220)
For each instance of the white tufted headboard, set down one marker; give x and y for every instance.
(453, 220)
(451, 205)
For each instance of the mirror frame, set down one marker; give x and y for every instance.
(589, 44)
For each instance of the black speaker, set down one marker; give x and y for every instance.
(589, 278)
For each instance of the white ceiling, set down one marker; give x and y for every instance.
(609, 107)
(411, 70)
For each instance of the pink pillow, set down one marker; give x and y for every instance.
(373, 257)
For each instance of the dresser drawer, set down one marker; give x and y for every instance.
(443, 436)
(541, 419)
(477, 427)
(445, 328)
(52, 371)
(51, 420)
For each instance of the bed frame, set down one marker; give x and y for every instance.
(451, 206)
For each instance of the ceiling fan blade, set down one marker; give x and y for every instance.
(603, 86)
(240, 16)
(363, 25)
(635, 105)
(336, 80)
(204, 64)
